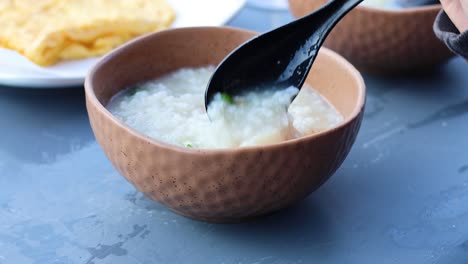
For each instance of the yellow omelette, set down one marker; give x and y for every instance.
(47, 31)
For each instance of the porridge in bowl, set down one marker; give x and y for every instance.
(223, 184)
(171, 109)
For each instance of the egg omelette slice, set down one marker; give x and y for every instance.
(47, 31)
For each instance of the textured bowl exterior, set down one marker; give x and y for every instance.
(218, 185)
(383, 41)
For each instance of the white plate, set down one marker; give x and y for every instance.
(16, 70)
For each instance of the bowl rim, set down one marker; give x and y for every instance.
(91, 98)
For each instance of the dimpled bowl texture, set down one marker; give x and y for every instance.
(225, 185)
(383, 41)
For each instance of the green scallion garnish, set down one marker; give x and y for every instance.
(227, 98)
(135, 90)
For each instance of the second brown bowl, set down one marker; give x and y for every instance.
(222, 185)
(383, 41)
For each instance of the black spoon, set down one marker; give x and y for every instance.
(279, 58)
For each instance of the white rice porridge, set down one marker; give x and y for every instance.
(171, 109)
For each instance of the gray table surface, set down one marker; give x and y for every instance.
(401, 196)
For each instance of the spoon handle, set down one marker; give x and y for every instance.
(313, 28)
(339, 8)
(326, 17)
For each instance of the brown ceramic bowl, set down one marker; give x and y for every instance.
(225, 185)
(383, 41)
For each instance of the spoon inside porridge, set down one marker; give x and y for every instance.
(279, 59)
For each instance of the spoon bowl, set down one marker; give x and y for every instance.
(279, 58)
